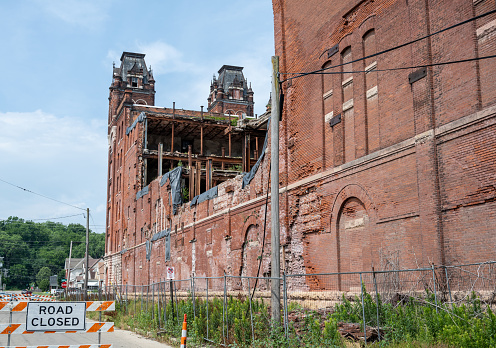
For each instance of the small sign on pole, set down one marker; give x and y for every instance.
(56, 316)
(170, 272)
(63, 285)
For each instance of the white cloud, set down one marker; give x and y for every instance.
(163, 58)
(63, 158)
(36, 135)
(89, 14)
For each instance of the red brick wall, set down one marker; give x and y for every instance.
(404, 180)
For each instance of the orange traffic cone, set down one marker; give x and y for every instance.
(184, 335)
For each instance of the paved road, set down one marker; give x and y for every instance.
(119, 338)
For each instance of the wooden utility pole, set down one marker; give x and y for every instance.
(87, 255)
(275, 300)
(68, 274)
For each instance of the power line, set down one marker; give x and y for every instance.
(47, 219)
(38, 194)
(406, 67)
(302, 74)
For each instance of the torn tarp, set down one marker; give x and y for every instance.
(161, 234)
(249, 176)
(148, 250)
(174, 176)
(141, 193)
(210, 194)
(140, 118)
(165, 233)
(167, 248)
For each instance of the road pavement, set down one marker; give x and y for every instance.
(119, 338)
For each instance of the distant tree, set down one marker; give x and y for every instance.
(28, 247)
(43, 278)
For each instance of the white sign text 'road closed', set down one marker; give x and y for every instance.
(56, 316)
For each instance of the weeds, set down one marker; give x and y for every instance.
(412, 323)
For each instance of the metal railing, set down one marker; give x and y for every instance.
(438, 286)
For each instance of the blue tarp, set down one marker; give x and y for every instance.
(174, 176)
(210, 194)
(140, 118)
(148, 250)
(249, 176)
(165, 233)
(161, 234)
(142, 193)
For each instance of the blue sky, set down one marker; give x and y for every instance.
(56, 61)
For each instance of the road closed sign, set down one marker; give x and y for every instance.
(56, 316)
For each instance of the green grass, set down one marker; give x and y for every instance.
(412, 324)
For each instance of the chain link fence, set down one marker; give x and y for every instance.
(208, 298)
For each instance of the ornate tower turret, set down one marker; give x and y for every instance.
(229, 93)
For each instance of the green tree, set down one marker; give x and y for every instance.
(43, 278)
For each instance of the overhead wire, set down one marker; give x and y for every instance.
(38, 194)
(407, 67)
(318, 71)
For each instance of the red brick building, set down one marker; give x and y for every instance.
(388, 161)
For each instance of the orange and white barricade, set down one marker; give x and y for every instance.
(184, 332)
(20, 328)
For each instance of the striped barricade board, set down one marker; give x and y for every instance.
(91, 306)
(45, 317)
(62, 346)
(19, 329)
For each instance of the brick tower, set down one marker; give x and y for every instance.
(229, 93)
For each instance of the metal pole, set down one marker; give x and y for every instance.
(377, 304)
(68, 275)
(172, 297)
(193, 293)
(207, 308)
(435, 292)
(224, 310)
(99, 316)
(275, 300)
(449, 288)
(177, 306)
(10, 322)
(251, 312)
(165, 304)
(87, 254)
(285, 303)
(363, 311)
(159, 312)
(141, 307)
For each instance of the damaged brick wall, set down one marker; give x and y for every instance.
(405, 180)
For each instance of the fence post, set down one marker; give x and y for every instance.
(153, 302)
(159, 312)
(449, 288)
(363, 311)
(208, 305)
(251, 312)
(224, 310)
(99, 315)
(435, 292)
(193, 294)
(285, 303)
(377, 304)
(177, 305)
(141, 307)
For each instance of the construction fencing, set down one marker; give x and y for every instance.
(437, 286)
